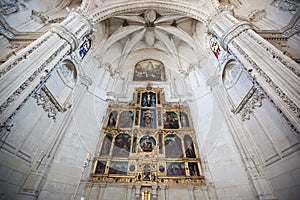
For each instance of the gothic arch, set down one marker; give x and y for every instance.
(107, 11)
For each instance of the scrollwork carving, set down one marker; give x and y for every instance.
(255, 101)
(44, 100)
(26, 83)
(274, 54)
(290, 104)
(22, 57)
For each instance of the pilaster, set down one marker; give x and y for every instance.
(21, 76)
(264, 61)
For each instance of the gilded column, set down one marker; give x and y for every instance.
(277, 74)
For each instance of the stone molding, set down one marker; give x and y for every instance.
(220, 12)
(22, 56)
(230, 34)
(43, 99)
(106, 12)
(10, 100)
(63, 33)
(275, 54)
(253, 101)
(276, 90)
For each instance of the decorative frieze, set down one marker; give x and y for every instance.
(250, 103)
(27, 82)
(289, 103)
(190, 11)
(66, 35)
(43, 99)
(234, 32)
(275, 88)
(275, 55)
(23, 56)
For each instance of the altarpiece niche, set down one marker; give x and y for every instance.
(148, 141)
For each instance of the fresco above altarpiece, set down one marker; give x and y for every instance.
(149, 70)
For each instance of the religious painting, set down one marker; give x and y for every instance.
(148, 140)
(175, 169)
(193, 168)
(100, 167)
(117, 167)
(84, 47)
(106, 145)
(126, 119)
(189, 147)
(173, 146)
(215, 47)
(170, 120)
(148, 99)
(146, 173)
(148, 119)
(184, 120)
(122, 145)
(133, 150)
(149, 70)
(112, 119)
(160, 143)
(147, 143)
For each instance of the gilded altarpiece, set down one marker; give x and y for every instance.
(148, 141)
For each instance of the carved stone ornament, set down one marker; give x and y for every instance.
(290, 104)
(255, 101)
(45, 102)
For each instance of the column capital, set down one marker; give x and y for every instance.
(220, 11)
(63, 33)
(233, 32)
(226, 27)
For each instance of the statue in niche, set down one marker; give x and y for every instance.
(112, 119)
(171, 120)
(148, 121)
(189, 147)
(100, 168)
(148, 100)
(146, 173)
(147, 143)
(184, 120)
(193, 168)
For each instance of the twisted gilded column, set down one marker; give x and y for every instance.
(277, 74)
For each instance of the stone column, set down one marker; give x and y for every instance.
(20, 76)
(277, 74)
(162, 194)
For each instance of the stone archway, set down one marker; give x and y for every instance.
(111, 10)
